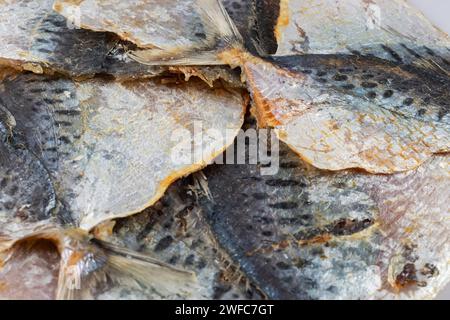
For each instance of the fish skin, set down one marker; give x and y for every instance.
(46, 42)
(391, 30)
(72, 142)
(37, 39)
(305, 233)
(405, 119)
(355, 132)
(27, 195)
(174, 231)
(178, 29)
(187, 33)
(256, 26)
(83, 132)
(357, 112)
(175, 22)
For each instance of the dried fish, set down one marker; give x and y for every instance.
(174, 231)
(98, 138)
(310, 234)
(345, 84)
(342, 111)
(351, 110)
(391, 30)
(167, 29)
(329, 108)
(37, 39)
(77, 154)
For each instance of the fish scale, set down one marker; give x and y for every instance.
(66, 125)
(38, 39)
(60, 134)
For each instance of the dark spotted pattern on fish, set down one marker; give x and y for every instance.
(379, 80)
(433, 59)
(257, 219)
(80, 52)
(173, 231)
(311, 234)
(47, 114)
(26, 190)
(349, 111)
(40, 37)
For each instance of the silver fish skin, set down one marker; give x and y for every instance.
(347, 111)
(61, 138)
(74, 127)
(175, 232)
(166, 32)
(391, 30)
(312, 234)
(35, 38)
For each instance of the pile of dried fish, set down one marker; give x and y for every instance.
(97, 96)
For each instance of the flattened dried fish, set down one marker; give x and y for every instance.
(354, 111)
(341, 111)
(37, 39)
(110, 146)
(27, 195)
(388, 29)
(76, 154)
(310, 234)
(335, 116)
(174, 231)
(168, 29)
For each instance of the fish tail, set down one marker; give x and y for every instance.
(86, 266)
(220, 33)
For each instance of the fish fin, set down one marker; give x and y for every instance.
(155, 57)
(433, 64)
(217, 22)
(103, 263)
(220, 34)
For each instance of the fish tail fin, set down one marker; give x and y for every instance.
(97, 263)
(220, 33)
(218, 23)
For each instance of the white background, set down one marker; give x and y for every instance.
(438, 11)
